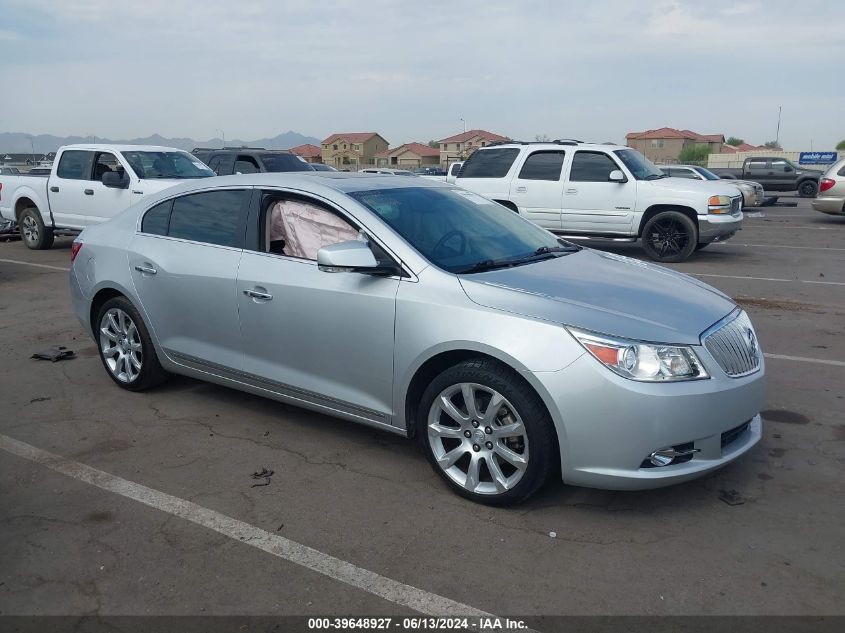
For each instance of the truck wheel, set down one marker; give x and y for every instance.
(669, 236)
(33, 232)
(808, 189)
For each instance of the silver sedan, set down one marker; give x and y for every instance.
(429, 311)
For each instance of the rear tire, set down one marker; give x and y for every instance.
(669, 237)
(498, 450)
(808, 189)
(126, 349)
(33, 232)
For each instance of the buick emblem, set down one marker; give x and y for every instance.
(751, 341)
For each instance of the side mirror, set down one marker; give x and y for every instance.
(616, 176)
(787, 168)
(352, 256)
(116, 179)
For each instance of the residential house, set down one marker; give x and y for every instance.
(311, 153)
(742, 147)
(352, 150)
(664, 145)
(460, 146)
(409, 156)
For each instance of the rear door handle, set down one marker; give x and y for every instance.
(88, 192)
(147, 270)
(571, 191)
(255, 294)
(522, 189)
(54, 189)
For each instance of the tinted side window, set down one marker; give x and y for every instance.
(157, 218)
(591, 167)
(75, 165)
(757, 165)
(542, 166)
(489, 163)
(214, 164)
(684, 173)
(213, 217)
(780, 166)
(245, 165)
(841, 172)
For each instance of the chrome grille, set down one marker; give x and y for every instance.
(736, 204)
(734, 346)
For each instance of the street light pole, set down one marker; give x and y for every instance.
(777, 134)
(465, 124)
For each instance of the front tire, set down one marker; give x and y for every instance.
(126, 349)
(669, 237)
(33, 232)
(808, 189)
(487, 433)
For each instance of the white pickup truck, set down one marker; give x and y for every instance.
(90, 184)
(590, 191)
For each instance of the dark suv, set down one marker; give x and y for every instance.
(249, 160)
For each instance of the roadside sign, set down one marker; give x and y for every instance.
(817, 158)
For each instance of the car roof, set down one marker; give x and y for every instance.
(557, 145)
(97, 147)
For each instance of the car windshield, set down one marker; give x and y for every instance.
(285, 162)
(641, 167)
(460, 231)
(165, 164)
(708, 175)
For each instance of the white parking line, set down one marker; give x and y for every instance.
(15, 261)
(392, 590)
(804, 248)
(799, 281)
(804, 359)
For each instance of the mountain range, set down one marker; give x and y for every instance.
(19, 142)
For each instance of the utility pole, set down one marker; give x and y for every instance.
(777, 134)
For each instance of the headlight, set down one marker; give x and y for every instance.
(719, 204)
(647, 362)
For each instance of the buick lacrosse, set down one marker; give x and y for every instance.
(426, 310)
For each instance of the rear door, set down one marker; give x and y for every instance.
(758, 170)
(593, 204)
(105, 202)
(487, 172)
(184, 264)
(537, 189)
(69, 189)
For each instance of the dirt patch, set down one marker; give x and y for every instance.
(784, 416)
(839, 432)
(98, 517)
(777, 452)
(778, 304)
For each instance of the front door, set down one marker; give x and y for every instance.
(537, 190)
(106, 202)
(594, 204)
(184, 265)
(321, 339)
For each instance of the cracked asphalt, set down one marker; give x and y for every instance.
(371, 499)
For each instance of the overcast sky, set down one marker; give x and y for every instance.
(411, 70)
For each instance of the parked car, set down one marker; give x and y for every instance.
(831, 198)
(250, 160)
(322, 167)
(775, 174)
(454, 170)
(422, 309)
(430, 171)
(752, 192)
(589, 191)
(386, 171)
(89, 184)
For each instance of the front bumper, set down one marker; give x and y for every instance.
(713, 227)
(830, 205)
(608, 425)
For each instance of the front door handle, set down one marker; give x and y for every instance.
(255, 294)
(88, 192)
(522, 189)
(571, 191)
(54, 189)
(147, 270)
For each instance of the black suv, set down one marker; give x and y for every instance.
(250, 160)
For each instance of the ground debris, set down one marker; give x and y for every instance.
(263, 475)
(731, 497)
(54, 354)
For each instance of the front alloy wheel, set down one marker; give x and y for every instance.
(669, 236)
(120, 345)
(478, 438)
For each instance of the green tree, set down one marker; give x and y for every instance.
(736, 142)
(695, 155)
(840, 146)
(434, 144)
(542, 138)
(772, 145)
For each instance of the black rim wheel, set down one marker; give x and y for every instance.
(668, 237)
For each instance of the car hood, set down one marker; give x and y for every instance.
(604, 293)
(687, 185)
(154, 185)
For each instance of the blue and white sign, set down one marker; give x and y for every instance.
(817, 158)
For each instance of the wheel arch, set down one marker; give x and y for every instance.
(24, 202)
(510, 205)
(659, 208)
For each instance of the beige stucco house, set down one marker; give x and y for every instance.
(311, 153)
(665, 144)
(409, 156)
(460, 146)
(352, 150)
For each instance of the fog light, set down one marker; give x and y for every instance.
(666, 456)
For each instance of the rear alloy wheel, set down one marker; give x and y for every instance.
(669, 236)
(125, 346)
(808, 189)
(33, 232)
(486, 434)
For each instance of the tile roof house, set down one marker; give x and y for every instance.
(311, 153)
(665, 144)
(460, 146)
(409, 156)
(352, 150)
(742, 147)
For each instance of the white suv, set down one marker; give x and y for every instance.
(585, 190)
